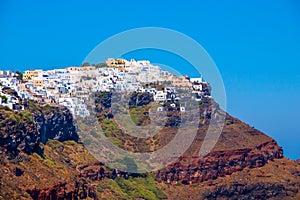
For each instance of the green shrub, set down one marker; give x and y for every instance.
(26, 115)
(141, 188)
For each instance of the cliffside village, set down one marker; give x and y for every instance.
(71, 86)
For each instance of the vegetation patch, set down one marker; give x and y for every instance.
(132, 188)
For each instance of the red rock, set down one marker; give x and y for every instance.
(219, 163)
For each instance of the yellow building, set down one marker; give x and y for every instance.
(111, 62)
(22, 87)
(38, 82)
(29, 74)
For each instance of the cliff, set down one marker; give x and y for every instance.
(277, 179)
(54, 123)
(24, 130)
(17, 133)
(22, 135)
(240, 148)
(76, 190)
(43, 158)
(191, 170)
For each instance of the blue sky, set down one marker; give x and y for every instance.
(255, 44)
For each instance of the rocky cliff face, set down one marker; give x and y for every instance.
(56, 123)
(72, 191)
(255, 191)
(195, 170)
(24, 130)
(244, 164)
(191, 170)
(98, 171)
(17, 133)
(275, 180)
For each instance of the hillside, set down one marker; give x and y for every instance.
(43, 157)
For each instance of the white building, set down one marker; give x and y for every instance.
(160, 96)
(196, 80)
(197, 87)
(75, 105)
